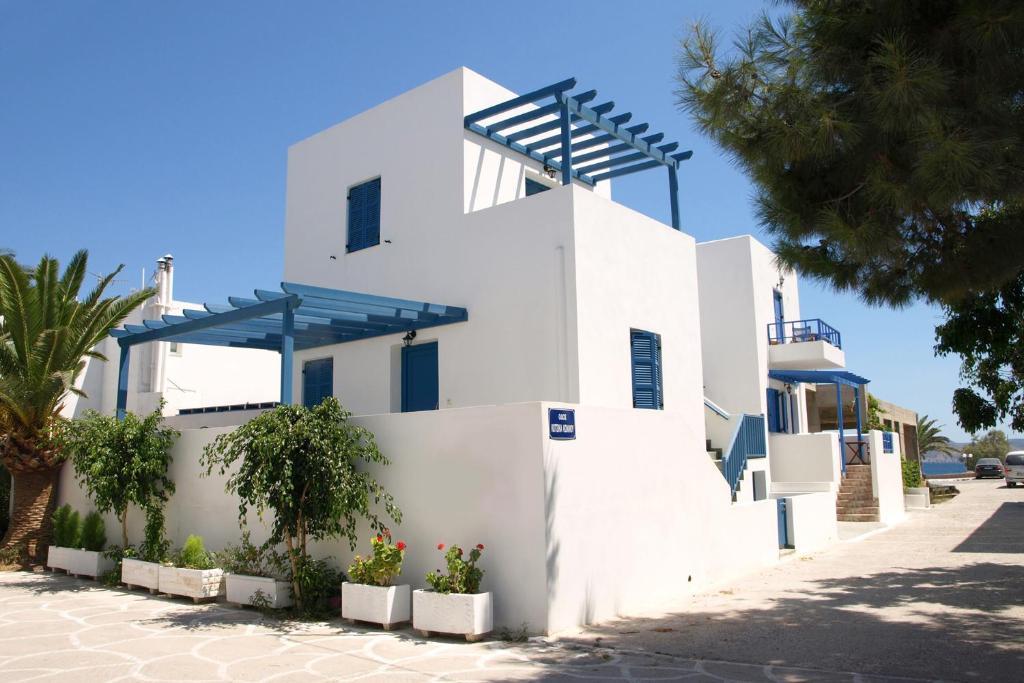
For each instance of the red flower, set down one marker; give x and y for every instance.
(479, 546)
(379, 538)
(440, 546)
(400, 545)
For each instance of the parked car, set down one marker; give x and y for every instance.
(1014, 468)
(988, 467)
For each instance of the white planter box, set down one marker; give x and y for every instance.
(197, 584)
(918, 498)
(138, 573)
(242, 588)
(88, 563)
(58, 557)
(459, 613)
(384, 605)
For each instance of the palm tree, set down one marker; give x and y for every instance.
(46, 333)
(930, 438)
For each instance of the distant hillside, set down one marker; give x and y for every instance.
(936, 456)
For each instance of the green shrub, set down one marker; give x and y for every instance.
(93, 535)
(65, 527)
(463, 575)
(193, 555)
(252, 560)
(911, 474)
(318, 582)
(382, 566)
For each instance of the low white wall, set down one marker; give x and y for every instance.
(812, 521)
(887, 478)
(630, 514)
(804, 458)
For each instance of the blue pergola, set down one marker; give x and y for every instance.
(616, 149)
(296, 318)
(839, 378)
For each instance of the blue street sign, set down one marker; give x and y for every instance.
(561, 423)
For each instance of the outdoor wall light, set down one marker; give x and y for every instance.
(409, 336)
(549, 172)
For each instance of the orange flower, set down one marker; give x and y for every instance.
(400, 545)
(440, 546)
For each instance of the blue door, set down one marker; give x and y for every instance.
(419, 377)
(317, 381)
(783, 514)
(780, 316)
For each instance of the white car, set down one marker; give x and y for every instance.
(1014, 468)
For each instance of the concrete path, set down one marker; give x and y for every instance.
(940, 596)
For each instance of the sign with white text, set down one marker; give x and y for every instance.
(561, 423)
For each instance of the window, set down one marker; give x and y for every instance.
(645, 352)
(175, 348)
(780, 316)
(778, 413)
(533, 187)
(363, 216)
(317, 381)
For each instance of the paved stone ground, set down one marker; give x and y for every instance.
(939, 596)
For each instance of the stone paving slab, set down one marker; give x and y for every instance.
(57, 628)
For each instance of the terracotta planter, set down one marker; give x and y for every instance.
(198, 584)
(469, 615)
(241, 590)
(138, 573)
(384, 605)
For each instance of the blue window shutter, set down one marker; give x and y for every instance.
(317, 381)
(645, 352)
(363, 215)
(533, 187)
(773, 411)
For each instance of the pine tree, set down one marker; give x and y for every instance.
(885, 139)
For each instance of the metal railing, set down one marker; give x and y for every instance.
(748, 440)
(795, 331)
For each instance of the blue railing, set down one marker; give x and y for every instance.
(748, 441)
(887, 442)
(813, 329)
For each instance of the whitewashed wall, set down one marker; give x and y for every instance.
(617, 521)
(887, 478)
(812, 521)
(805, 458)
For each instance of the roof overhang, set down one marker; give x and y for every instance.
(818, 377)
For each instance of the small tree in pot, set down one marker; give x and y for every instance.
(302, 463)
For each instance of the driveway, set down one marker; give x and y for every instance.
(940, 596)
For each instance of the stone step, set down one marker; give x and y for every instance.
(857, 508)
(851, 517)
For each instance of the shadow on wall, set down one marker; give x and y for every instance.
(1003, 532)
(937, 623)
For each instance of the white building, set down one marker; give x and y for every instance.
(558, 307)
(186, 377)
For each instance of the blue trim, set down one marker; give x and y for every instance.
(887, 446)
(782, 509)
(363, 216)
(577, 132)
(317, 380)
(839, 424)
(420, 378)
(287, 353)
(533, 96)
(673, 196)
(809, 329)
(122, 381)
(818, 377)
(748, 441)
(533, 187)
(645, 355)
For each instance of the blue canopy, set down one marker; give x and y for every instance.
(298, 317)
(818, 377)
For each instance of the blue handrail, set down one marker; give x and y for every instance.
(748, 440)
(812, 329)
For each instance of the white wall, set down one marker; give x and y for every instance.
(887, 478)
(812, 521)
(800, 458)
(576, 531)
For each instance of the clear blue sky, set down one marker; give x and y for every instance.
(134, 129)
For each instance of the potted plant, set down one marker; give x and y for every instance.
(307, 465)
(252, 576)
(141, 567)
(65, 537)
(455, 605)
(369, 595)
(192, 572)
(89, 559)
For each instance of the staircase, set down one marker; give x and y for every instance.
(714, 453)
(855, 502)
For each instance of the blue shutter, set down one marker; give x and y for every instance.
(645, 353)
(317, 381)
(363, 215)
(773, 411)
(533, 187)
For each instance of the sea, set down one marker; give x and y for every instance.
(942, 467)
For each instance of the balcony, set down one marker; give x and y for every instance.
(809, 344)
